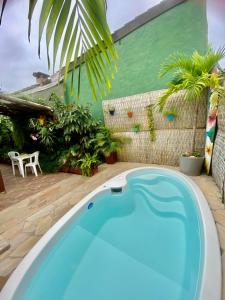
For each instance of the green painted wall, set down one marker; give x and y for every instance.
(183, 28)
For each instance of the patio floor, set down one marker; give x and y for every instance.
(44, 200)
(18, 188)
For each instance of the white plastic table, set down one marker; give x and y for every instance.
(21, 158)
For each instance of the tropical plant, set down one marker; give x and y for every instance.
(151, 125)
(6, 140)
(105, 143)
(81, 27)
(170, 111)
(193, 75)
(78, 125)
(87, 162)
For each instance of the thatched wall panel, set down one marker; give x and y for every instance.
(172, 138)
(167, 148)
(138, 103)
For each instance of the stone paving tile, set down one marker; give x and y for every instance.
(8, 264)
(19, 188)
(24, 247)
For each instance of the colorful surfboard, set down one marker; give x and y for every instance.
(210, 131)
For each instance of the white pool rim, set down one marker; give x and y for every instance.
(211, 279)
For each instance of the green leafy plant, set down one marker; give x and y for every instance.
(87, 162)
(81, 27)
(136, 127)
(6, 140)
(194, 154)
(151, 125)
(104, 142)
(193, 75)
(170, 111)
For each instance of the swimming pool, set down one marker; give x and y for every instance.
(145, 234)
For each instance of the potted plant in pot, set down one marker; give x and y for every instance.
(129, 112)
(74, 167)
(191, 163)
(170, 114)
(111, 110)
(89, 164)
(108, 145)
(136, 127)
(193, 75)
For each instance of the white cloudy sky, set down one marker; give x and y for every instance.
(19, 59)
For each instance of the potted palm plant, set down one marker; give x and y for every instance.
(107, 144)
(193, 75)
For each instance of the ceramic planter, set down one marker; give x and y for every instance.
(170, 117)
(112, 112)
(111, 159)
(75, 170)
(136, 129)
(64, 169)
(191, 165)
(94, 170)
(130, 114)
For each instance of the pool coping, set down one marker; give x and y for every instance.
(211, 281)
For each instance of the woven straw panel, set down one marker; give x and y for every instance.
(221, 115)
(167, 148)
(138, 103)
(218, 161)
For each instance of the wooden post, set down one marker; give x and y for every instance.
(2, 186)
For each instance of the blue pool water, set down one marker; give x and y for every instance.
(142, 244)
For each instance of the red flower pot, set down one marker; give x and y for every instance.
(75, 170)
(130, 114)
(111, 159)
(64, 169)
(94, 170)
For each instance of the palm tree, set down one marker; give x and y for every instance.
(82, 28)
(193, 75)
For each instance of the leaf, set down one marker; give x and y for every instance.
(55, 11)
(2, 10)
(60, 27)
(67, 35)
(45, 11)
(32, 5)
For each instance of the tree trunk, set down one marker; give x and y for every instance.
(195, 125)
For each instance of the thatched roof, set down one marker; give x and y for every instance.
(12, 106)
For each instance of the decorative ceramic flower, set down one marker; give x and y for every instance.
(212, 117)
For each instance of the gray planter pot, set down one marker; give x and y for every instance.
(191, 166)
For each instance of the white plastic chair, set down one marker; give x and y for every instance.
(33, 163)
(16, 161)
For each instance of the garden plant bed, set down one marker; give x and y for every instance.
(77, 171)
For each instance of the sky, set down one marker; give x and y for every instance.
(19, 58)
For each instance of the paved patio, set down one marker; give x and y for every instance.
(23, 223)
(19, 188)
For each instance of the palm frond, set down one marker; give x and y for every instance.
(85, 37)
(2, 10)
(173, 88)
(176, 61)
